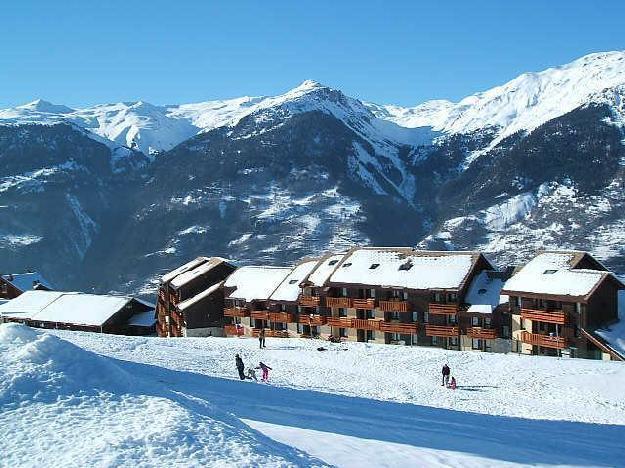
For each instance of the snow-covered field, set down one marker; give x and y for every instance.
(150, 401)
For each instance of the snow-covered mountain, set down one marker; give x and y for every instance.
(536, 162)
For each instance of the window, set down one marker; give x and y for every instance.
(370, 314)
(370, 335)
(405, 296)
(453, 341)
(372, 293)
(451, 297)
(405, 266)
(395, 315)
(395, 337)
(435, 340)
(293, 281)
(342, 313)
(482, 291)
(549, 272)
(578, 308)
(476, 344)
(344, 292)
(348, 264)
(487, 321)
(438, 297)
(374, 266)
(343, 332)
(452, 319)
(475, 321)
(333, 262)
(415, 317)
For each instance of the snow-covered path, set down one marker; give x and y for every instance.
(364, 405)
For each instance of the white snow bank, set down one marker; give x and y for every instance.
(255, 283)
(63, 406)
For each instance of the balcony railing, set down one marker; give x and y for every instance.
(340, 322)
(236, 312)
(443, 309)
(367, 304)
(402, 328)
(480, 333)
(366, 324)
(271, 333)
(556, 316)
(260, 314)
(546, 341)
(283, 317)
(441, 330)
(312, 319)
(309, 301)
(339, 302)
(394, 306)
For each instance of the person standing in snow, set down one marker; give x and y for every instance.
(251, 374)
(240, 367)
(261, 338)
(452, 384)
(446, 372)
(265, 368)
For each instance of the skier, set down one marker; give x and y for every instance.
(261, 338)
(446, 371)
(239, 328)
(265, 368)
(251, 374)
(240, 367)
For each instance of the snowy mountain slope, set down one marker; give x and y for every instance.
(62, 405)
(272, 179)
(334, 404)
(525, 102)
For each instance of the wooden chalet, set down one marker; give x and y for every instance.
(14, 284)
(558, 300)
(78, 311)
(190, 298)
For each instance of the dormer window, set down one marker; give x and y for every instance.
(333, 262)
(374, 266)
(549, 272)
(293, 281)
(482, 291)
(405, 266)
(345, 265)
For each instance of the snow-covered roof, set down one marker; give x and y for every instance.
(255, 283)
(289, 288)
(143, 319)
(183, 268)
(198, 297)
(324, 269)
(192, 273)
(484, 293)
(29, 303)
(65, 307)
(404, 268)
(26, 281)
(551, 273)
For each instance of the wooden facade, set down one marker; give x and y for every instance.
(190, 302)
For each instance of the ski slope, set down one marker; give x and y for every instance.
(179, 402)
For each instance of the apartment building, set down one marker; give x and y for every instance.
(558, 301)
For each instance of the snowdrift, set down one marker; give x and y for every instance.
(62, 405)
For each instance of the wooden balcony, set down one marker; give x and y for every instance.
(546, 341)
(283, 317)
(339, 302)
(443, 309)
(312, 319)
(394, 306)
(230, 330)
(271, 333)
(309, 301)
(550, 316)
(441, 330)
(367, 304)
(366, 324)
(402, 328)
(480, 333)
(340, 322)
(236, 312)
(260, 314)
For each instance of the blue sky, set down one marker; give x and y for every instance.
(87, 52)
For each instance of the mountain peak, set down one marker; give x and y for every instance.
(41, 105)
(310, 84)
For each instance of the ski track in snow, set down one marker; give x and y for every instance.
(359, 404)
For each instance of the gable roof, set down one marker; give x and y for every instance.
(167, 277)
(255, 283)
(288, 290)
(65, 307)
(554, 273)
(195, 270)
(323, 270)
(401, 267)
(198, 297)
(26, 281)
